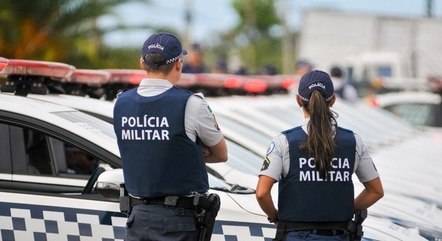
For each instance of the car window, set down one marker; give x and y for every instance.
(415, 113)
(35, 153)
(5, 153)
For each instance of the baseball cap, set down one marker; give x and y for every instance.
(315, 80)
(165, 44)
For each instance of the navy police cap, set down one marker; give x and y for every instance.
(315, 80)
(165, 44)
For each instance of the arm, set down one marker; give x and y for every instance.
(264, 197)
(216, 153)
(372, 192)
(367, 173)
(201, 124)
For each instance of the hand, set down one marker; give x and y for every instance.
(273, 219)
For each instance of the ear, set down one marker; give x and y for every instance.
(179, 65)
(142, 65)
(332, 101)
(299, 101)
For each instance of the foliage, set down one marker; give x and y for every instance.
(55, 30)
(257, 46)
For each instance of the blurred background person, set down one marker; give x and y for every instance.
(302, 66)
(343, 88)
(195, 60)
(268, 69)
(220, 67)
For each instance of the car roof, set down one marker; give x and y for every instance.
(392, 98)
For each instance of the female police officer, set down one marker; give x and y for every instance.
(165, 134)
(314, 164)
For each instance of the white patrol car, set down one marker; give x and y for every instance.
(84, 82)
(44, 196)
(71, 205)
(420, 108)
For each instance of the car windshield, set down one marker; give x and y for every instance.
(242, 129)
(243, 159)
(220, 185)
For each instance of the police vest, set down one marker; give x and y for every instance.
(158, 157)
(306, 197)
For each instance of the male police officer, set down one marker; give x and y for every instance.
(165, 134)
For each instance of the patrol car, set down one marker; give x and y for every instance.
(84, 83)
(237, 157)
(420, 108)
(40, 131)
(42, 197)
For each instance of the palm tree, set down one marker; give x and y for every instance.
(53, 30)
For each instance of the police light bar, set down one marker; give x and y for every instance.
(254, 86)
(3, 63)
(127, 76)
(216, 80)
(90, 77)
(52, 70)
(277, 83)
(187, 80)
(232, 84)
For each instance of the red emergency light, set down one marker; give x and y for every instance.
(233, 82)
(3, 63)
(254, 86)
(187, 80)
(127, 76)
(90, 77)
(288, 82)
(53, 70)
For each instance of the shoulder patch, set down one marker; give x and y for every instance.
(265, 164)
(270, 148)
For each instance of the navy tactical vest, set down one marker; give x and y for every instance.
(158, 157)
(304, 196)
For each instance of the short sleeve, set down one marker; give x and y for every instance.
(275, 158)
(200, 121)
(365, 168)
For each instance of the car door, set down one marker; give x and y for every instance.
(42, 193)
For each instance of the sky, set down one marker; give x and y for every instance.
(211, 17)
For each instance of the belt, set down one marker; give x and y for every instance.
(325, 232)
(171, 201)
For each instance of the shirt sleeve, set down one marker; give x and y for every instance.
(365, 169)
(275, 158)
(201, 122)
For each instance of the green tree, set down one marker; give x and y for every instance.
(56, 30)
(253, 33)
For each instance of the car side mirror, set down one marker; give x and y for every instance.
(108, 184)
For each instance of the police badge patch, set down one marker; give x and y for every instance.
(265, 164)
(270, 148)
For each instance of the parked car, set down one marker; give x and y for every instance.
(53, 182)
(417, 107)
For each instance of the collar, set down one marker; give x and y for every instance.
(150, 82)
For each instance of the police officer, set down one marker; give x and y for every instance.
(165, 135)
(313, 164)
